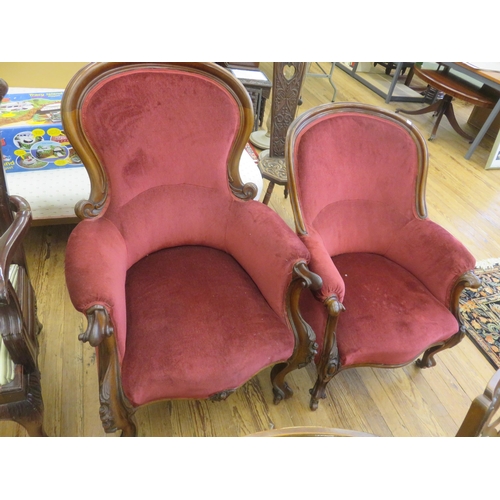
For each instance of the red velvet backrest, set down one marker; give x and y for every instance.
(154, 127)
(360, 167)
(163, 134)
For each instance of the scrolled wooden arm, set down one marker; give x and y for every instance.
(246, 192)
(333, 306)
(305, 339)
(308, 278)
(11, 240)
(306, 346)
(99, 326)
(466, 280)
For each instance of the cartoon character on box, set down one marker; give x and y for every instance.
(25, 140)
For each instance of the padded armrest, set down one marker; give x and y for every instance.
(431, 254)
(322, 264)
(96, 270)
(260, 240)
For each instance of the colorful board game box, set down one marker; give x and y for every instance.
(31, 132)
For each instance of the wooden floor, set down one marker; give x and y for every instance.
(461, 196)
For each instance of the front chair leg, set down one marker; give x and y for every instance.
(329, 363)
(115, 411)
(305, 340)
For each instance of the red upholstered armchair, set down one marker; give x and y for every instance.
(391, 277)
(190, 286)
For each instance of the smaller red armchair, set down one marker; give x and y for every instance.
(391, 277)
(190, 287)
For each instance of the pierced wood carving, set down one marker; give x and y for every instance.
(287, 83)
(274, 168)
(305, 340)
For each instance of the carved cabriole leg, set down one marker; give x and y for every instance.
(305, 340)
(116, 412)
(467, 280)
(428, 360)
(329, 363)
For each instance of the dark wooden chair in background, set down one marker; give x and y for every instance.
(20, 390)
(391, 66)
(288, 78)
(452, 87)
(483, 419)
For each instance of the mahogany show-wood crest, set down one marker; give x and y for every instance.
(309, 117)
(93, 74)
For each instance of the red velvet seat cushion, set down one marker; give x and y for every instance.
(390, 317)
(196, 325)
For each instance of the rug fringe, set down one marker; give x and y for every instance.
(487, 263)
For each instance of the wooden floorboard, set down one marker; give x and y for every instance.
(461, 196)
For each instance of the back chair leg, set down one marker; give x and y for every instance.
(428, 360)
(269, 192)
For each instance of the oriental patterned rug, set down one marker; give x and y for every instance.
(481, 310)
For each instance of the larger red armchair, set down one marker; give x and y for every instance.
(391, 277)
(190, 287)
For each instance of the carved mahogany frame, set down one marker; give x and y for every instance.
(308, 118)
(116, 411)
(329, 364)
(305, 340)
(93, 74)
